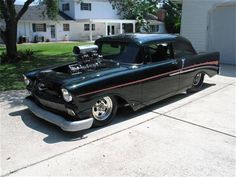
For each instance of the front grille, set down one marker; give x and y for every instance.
(50, 99)
(52, 105)
(46, 90)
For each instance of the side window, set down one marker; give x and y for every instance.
(182, 49)
(157, 52)
(65, 7)
(86, 6)
(110, 50)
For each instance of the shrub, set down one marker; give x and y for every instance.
(4, 58)
(26, 54)
(21, 55)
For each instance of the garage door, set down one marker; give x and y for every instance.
(223, 33)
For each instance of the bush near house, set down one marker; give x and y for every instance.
(43, 55)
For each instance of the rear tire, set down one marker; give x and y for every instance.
(104, 111)
(197, 83)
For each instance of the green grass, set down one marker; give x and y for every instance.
(45, 55)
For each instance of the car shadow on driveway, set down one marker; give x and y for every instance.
(56, 135)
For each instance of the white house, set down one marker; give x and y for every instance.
(94, 18)
(211, 26)
(77, 20)
(36, 26)
(99, 18)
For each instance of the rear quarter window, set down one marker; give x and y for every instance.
(182, 49)
(157, 52)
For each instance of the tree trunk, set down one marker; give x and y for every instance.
(11, 39)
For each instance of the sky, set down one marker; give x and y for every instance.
(20, 1)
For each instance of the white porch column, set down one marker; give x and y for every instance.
(90, 31)
(121, 28)
(134, 28)
(106, 28)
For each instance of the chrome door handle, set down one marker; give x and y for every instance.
(183, 62)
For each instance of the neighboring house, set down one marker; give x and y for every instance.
(211, 26)
(36, 26)
(155, 24)
(77, 20)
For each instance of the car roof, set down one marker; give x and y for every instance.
(140, 38)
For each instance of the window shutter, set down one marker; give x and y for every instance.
(34, 29)
(45, 28)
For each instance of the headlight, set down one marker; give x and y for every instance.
(26, 80)
(66, 95)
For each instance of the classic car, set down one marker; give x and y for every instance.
(129, 69)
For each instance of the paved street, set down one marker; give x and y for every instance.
(186, 135)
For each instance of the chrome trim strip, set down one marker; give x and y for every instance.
(189, 70)
(174, 74)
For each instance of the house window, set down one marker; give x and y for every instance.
(86, 6)
(66, 7)
(87, 27)
(66, 27)
(40, 27)
(154, 28)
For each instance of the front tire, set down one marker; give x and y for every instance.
(197, 83)
(104, 111)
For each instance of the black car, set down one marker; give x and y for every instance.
(129, 69)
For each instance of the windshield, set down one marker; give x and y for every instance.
(119, 51)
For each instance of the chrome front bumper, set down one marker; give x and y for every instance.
(57, 119)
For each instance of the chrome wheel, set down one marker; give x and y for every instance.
(102, 109)
(197, 79)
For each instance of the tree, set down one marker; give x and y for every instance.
(11, 18)
(136, 9)
(173, 16)
(139, 9)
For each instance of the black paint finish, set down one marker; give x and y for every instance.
(137, 84)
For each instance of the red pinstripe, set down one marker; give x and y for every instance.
(149, 78)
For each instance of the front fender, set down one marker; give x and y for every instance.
(130, 95)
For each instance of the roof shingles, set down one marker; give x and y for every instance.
(37, 13)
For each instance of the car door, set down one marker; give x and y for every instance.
(161, 72)
(185, 54)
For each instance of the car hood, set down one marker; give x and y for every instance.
(56, 80)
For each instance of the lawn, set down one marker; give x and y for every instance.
(45, 55)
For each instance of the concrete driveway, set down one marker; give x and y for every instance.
(186, 135)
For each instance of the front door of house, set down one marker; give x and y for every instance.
(53, 31)
(110, 30)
